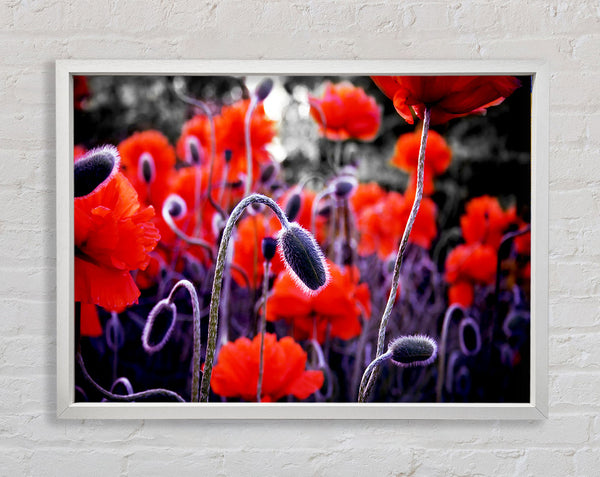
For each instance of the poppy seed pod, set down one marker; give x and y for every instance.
(94, 168)
(269, 247)
(292, 206)
(408, 351)
(469, 337)
(303, 258)
(263, 89)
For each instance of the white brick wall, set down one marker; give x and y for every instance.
(35, 33)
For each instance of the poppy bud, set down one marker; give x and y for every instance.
(269, 247)
(146, 168)
(292, 206)
(303, 258)
(228, 155)
(408, 351)
(268, 173)
(193, 151)
(469, 337)
(343, 188)
(175, 206)
(263, 89)
(94, 168)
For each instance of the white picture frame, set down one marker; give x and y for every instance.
(67, 407)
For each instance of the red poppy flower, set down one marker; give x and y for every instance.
(183, 185)
(284, 373)
(381, 225)
(348, 113)
(366, 195)
(148, 162)
(437, 157)
(469, 265)
(448, 96)
(89, 322)
(193, 145)
(485, 221)
(230, 127)
(339, 305)
(113, 232)
(247, 252)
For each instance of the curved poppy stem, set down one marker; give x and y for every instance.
(182, 235)
(197, 332)
(213, 322)
(248, 143)
(442, 353)
(403, 243)
(263, 321)
(126, 397)
(362, 396)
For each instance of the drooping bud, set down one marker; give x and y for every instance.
(175, 206)
(228, 154)
(408, 351)
(469, 337)
(292, 206)
(269, 247)
(146, 168)
(263, 89)
(344, 187)
(193, 151)
(268, 173)
(303, 258)
(94, 168)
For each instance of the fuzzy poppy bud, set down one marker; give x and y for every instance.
(408, 351)
(292, 206)
(268, 173)
(469, 337)
(94, 168)
(269, 247)
(344, 187)
(303, 258)
(193, 152)
(175, 206)
(263, 89)
(146, 168)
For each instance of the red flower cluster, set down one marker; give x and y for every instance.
(483, 226)
(236, 372)
(113, 232)
(346, 112)
(437, 158)
(148, 161)
(382, 216)
(448, 97)
(339, 305)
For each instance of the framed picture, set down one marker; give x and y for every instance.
(302, 239)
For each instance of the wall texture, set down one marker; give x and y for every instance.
(34, 34)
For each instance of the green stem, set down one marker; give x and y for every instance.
(403, 243)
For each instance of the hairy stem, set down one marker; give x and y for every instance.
(213, 322)
(442, 353)
(403, 243)
(263, 321)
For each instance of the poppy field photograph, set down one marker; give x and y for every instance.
(302, 238)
